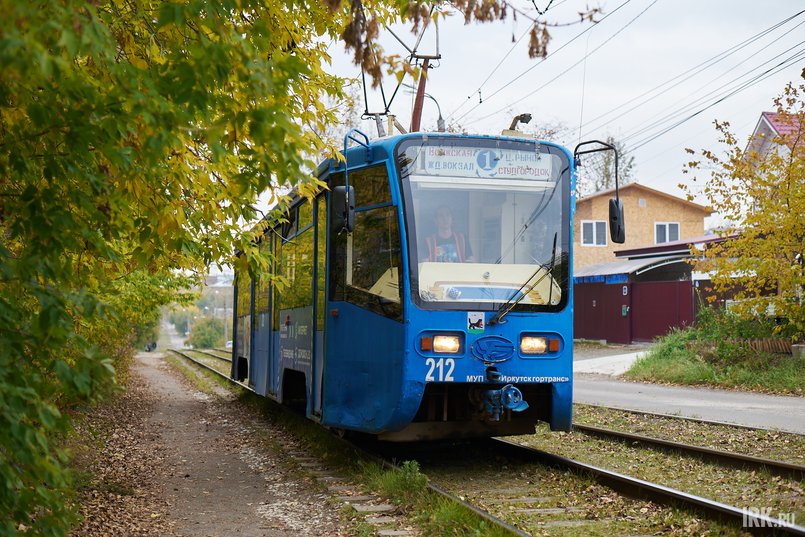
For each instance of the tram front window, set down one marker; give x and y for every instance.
(488, 222)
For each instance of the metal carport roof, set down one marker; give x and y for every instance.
(618, 271)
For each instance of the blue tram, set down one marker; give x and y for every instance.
(428, 291)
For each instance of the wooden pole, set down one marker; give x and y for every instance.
(416, 118)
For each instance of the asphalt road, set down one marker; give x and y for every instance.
(755, 410)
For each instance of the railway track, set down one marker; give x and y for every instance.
(212, 354)
(434, 488)
(726, 458)
(629, 486)
(639, 488)
(208, 367)
(676, 417)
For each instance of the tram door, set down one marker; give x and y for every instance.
(363, 314)
(295, 341)
(243, 326)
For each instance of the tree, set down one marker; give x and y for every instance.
(135, 138)
(207, 333)
(762, 195)
(598, 169)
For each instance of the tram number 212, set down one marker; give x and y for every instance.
(443, 367)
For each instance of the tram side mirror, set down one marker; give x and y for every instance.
(617, 227)
(343, 207)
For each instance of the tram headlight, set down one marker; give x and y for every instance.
(446, 344)
(533, 345)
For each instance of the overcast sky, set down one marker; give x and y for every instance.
(637, 46)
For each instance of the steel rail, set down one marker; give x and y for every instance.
(632, 486)
(209, 368)
(793, 471)
(686, 418)
(209, 353)
(478, 511)
(485, 515)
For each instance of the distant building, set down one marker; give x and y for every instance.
(222, 279)
(651, 216)
(218, 295)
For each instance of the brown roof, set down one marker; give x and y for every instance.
(785, 125)
(637, 186)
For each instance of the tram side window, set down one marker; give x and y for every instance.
(290, 226)
(276, 267)
(365, 265)
(244, 285)
(261, 288)
(297, 268)
(321, 234)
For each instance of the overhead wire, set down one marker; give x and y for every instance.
(503, 59)
(576, 64)
(596, 167)
(725, 89)
(688, 100)
(547, 57)
(680, 78)
(758, 78)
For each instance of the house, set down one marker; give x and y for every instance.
(651, 217)
(771, 129)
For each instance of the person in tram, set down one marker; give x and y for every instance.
(447, 245)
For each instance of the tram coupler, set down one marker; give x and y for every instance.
(507, 398)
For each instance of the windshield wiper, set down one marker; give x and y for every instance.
(507, 306)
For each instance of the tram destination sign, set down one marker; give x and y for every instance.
(457, 161)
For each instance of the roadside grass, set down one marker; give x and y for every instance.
(670, 361)
(592, 343)
(711, 353)
(405, 487)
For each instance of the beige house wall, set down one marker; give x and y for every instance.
(642, 209)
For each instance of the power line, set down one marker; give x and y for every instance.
(546, 84)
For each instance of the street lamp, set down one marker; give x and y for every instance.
(440, 121)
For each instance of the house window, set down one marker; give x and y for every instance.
(666, 232)
(593, 233)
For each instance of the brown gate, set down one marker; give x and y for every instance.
(601, 311)
(659, 306)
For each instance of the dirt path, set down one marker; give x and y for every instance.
(193, 464)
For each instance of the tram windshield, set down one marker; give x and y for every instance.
(487, 221)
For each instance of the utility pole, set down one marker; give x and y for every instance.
(416, 118)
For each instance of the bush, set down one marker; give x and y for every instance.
(714, 352)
